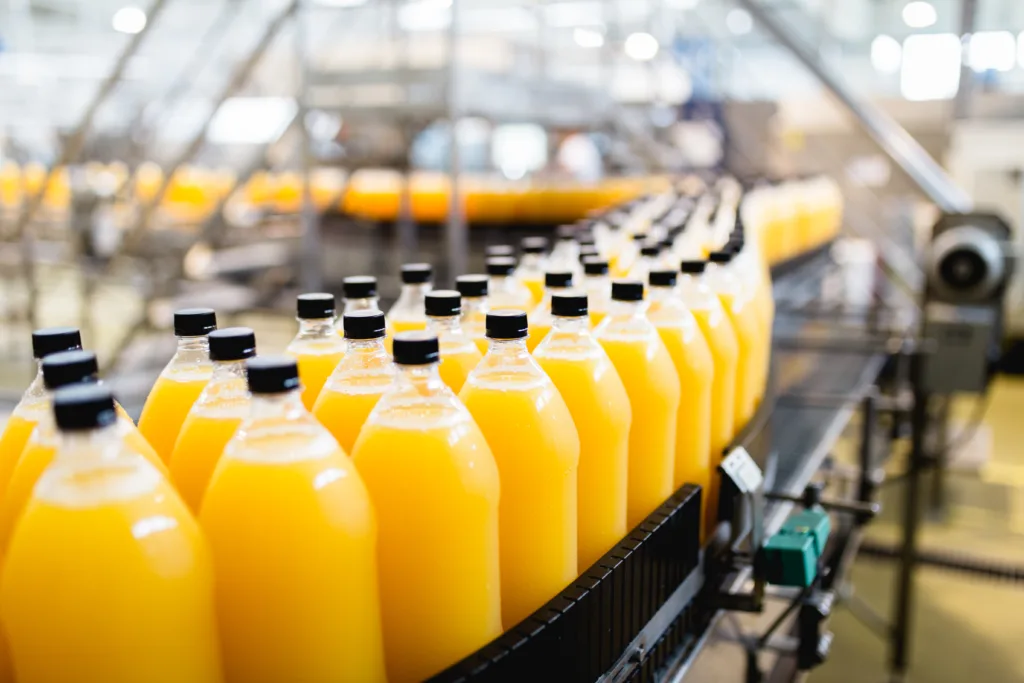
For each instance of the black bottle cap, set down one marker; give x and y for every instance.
(416, 348)
(232, 343)
(640, 237)
(692, 267)
(501, 265)
(272, 374)
(566, 232)
(364, 324)
(588, 252)
(506, 323)
(534, 245)
(194, 322)
(417, 273)
(500, 250)
(561, 278)
(471, 285)
(595, 266)
(359, 287)
(587, 241)
(662, 278)
(720, 256)
(69, 367)
(650, 250)
(83, 406)
(443, 303)
(569, 305)
(54, 340)
(627, 290)
(315, 305)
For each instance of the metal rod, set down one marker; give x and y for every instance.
(889, 135)
(965, 93)
(311, 260)
(869, 417)
(456, 235)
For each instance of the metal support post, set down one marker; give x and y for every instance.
(456, 235)
(869, 417)
(310, 259)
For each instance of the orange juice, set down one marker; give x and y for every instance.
(104, 536)
(360, 379)
(598, 287)
(693, 362)
(181, 381)
(557, 282)
(473, 289)
(217, 412)
(504, 290)
(645, 366)
(294, 545)
(534, 441)
(599, 405)
(434, 485)
(316, 347)
(530, 270)
(459, 354)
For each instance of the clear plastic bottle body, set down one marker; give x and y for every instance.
(508, 292)
(318, 350)
(597, 399)
(459, 353)
(599, 297)
(350, 394)
(564, 256)
(434, 484)
(32, 408)
(289, 519)
(474, 320)
(536, 448)
(540, 318)
(530, 272)
(409, 311)
(104, 520)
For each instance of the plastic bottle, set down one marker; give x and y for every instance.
(407, 313)
(434, 485)
(473, 289)
(738, 305)
(566, 253)
(648, 260)
(459, 354)
(181, 382)
(645, 366)
(556, 282)
(537, 449)
(361, 378)
(33, 403)
(500, 250)
(622, 264)
(316, 347)
(218, 411)
(531, 267)
(108, 577)
(696, 369)
(599, 404)
(755, 277)
(598, 287)
(294, 544)
(504, 290)
(359, 293)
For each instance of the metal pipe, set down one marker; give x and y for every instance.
(456, 236)
(889, 135)
(311, 260)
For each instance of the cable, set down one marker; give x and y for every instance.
(951, 561)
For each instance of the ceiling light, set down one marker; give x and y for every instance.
(995, 50)
(919, 14)
(931, 66)
(585, 37)
(129, 20)
(886, 54)
(641, 46)
(739, 22)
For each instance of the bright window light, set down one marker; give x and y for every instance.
(129, 20)
(1020, 49)
(586, 37)
(251, 120)
(919, 14)
(739, 22)
(641, 46)
(886, 54)
(570, 14)
(996, 50)
(518, 149)
(340, 3)
(931, 66)
(425, 15)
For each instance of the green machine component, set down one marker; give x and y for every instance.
(790, 557)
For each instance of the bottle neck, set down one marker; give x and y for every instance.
(194, 344)
(597, 280)
(285, 404)
(228, 370)
(626, 309)
(371, 303)
(507, 347)
(573, 325)
(531, 261)
(660, 293)
(438, 324)
(424, 379)
(474, 304)
(37, 388)
(417, 291)
(100, 445)
(365, 345)
(316, 327)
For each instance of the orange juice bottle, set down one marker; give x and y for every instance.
(499, 250)
(294, 544)
(756, 280)
(215, 416)
(360, 379)
(33, 403)
(473, 289)
(359, 294)
(628, 254)
(459, 355)
(316, 347)
(738, 306)
(530, 270)
(434, 486)
(557, 282)
(598, 287)
(107, 577)
(648, 260)
(645, 366)
(408, 313)
(504, 290)
(535, 444)
(181, 381)
(692, 358)
(599, 405)
(565, 255)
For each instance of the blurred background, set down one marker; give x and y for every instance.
(233, 153)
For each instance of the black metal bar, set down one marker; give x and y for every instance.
(869, 417)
